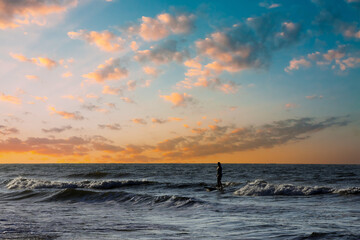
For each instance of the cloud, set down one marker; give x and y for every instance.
(15, 13)
(334, 16)
(178, 99)
(268, 5)
(8, 130)
(314, 97)
(343, 57)
(71, 97)
(111, 70)
(296, 63)
(230, 139)
(106, 41)
(248, 45)
(10, 99)
(59, 147)
(151, 71)
(43, 99)
(115, 126)
(57, 130)
(139, 121)
(161, 54)
(111, 91)
(32, 77)
(199, 76)
(92, 107)
(66, 115)
(289, 106)
(67, 75)
(127, 100)
(154, 29)
(40, 61)
(131, 84)
(162, 121)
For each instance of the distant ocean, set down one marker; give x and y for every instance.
(170, 201)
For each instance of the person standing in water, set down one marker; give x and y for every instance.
(219, 176)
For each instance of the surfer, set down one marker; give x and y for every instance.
(219, 176)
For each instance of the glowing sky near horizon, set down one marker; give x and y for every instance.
(179, 81)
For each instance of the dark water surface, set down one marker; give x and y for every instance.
(132, 201)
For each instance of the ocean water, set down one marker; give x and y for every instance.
(170, 201)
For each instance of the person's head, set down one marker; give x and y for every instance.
(219, 164)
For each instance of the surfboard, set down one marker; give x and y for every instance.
(210, 189)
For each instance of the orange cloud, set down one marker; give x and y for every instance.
(40, 61)
(16, 13)
(151, 71)
(66, 115)
(105, 40)
(111, 70)
(71, 97)
(32, 77)
(10, 99)
(178, 99)
(67, 75)
(138, 121)
(111, 91)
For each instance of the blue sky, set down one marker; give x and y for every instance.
(180, 81)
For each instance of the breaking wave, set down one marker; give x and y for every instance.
(26, 183)
(263, 188)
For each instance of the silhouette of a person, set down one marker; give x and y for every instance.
(219, 175)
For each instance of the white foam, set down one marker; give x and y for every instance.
(26, 183)
(263, 188)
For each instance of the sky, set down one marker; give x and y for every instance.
(116, 81)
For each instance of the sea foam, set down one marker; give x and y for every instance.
(26, 183)
(262, 188)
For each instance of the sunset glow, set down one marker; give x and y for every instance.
(180, 81)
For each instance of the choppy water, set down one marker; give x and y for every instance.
(171, 202)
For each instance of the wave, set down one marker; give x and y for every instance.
(26, 183)
(97, 174)
(78, 195)
(262, 188)
(328, 235)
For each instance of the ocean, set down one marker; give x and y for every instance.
(171, 201)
